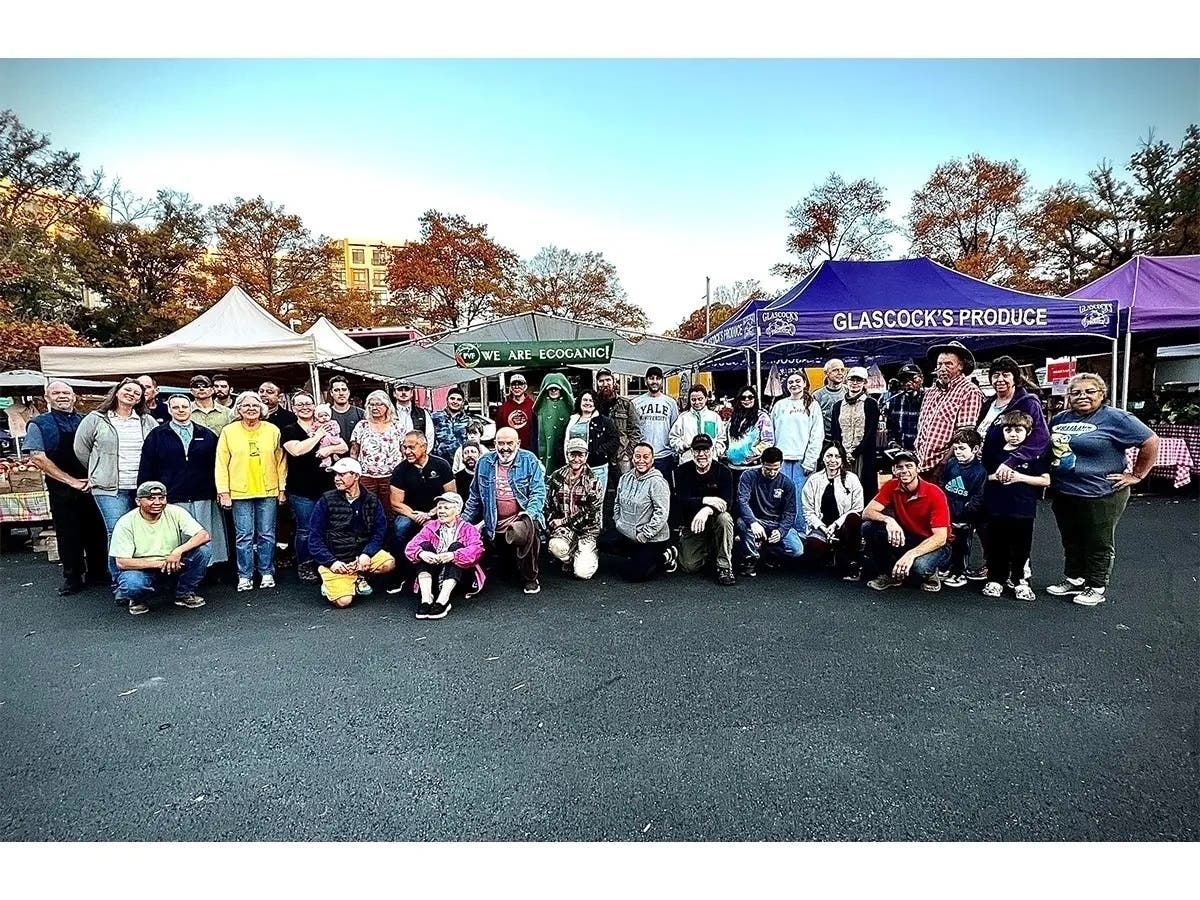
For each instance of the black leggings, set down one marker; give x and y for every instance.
(1007, 543)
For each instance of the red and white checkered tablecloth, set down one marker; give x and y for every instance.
(1173, 454)
(28, 507)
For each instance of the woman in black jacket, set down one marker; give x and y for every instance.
(855, 425)
(598, 430)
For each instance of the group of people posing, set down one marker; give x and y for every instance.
(144, 493)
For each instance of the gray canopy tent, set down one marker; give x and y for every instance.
(430, 362)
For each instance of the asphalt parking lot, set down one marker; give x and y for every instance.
(791, 707)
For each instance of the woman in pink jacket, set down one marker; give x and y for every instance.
(445, 551)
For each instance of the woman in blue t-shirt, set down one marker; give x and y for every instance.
(1089, 483)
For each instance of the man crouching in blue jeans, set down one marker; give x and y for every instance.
(906, 528)
(158, 547)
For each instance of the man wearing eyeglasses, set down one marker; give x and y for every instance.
(656, 414)
(832, 391)
(701, 510)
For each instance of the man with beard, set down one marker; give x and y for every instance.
(222, 391)
(952, 403)
(623, 415)
(508, 495)
(657, 413)
(574, 502)
(277, 415)
(410, 416)
(205, 408)
(50, 443)
(517, 411)
(468, 455)
(832, 391)
(345, 413)
(906, 528)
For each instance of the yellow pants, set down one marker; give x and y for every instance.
(341, 587)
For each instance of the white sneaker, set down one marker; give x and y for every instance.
(267, 581)
(1068, 587)
(1089, 596)
(245, 584)
(993, 589)
(1024, 591)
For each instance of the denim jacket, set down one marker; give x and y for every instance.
(528, 484)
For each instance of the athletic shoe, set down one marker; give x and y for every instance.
(438, 610)
(1068, 587)
(725, 577)
(749, 569)
(192, 601)
(267, 581)
(955, 581)
(671, 560)
(531, 587)
(883, 582)
(363, 588)
(136, 609)
(979, 574)
(396, 588)
(307, 573)
(993, 589)
(931, 585)
(852, 574)
(1089, 596)
(1024, 591)
(245, 584)
(424, 610)
(943, 573)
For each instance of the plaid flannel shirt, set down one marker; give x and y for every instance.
(943, 412)
(904, 408)
(578, 503)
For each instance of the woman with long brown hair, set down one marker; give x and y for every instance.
(799, 434)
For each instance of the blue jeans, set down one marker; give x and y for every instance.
(302, 508)
(790, 545)
(254, 535)
(140, 585)
(111, 509)
(881, 556)
(794, 469)
(666, 465)
(404, 530)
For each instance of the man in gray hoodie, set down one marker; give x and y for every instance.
(641, 513)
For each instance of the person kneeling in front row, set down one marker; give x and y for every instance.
(574, 506)
(158, 547)
(767, 503)
(641, 513)
(446, 552)
(906, 528)
(345, 536)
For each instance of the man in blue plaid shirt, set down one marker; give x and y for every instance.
(904, 408)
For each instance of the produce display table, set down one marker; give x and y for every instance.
(1174, 460)
(26, 508)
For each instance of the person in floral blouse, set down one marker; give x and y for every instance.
(377, 445)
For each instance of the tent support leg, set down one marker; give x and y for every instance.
(315, 378)
(1115, 344)
(758, 374)
(1125, 371)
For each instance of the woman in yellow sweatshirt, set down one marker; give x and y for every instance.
(252, 479)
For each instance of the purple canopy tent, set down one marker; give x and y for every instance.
(1156, 293)
(890, 310)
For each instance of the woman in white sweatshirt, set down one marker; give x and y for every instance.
(799, 432)
(832, 502)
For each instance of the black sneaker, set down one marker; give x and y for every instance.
(424, 610)
(438, 611)
(670, 560)
(70, 587)
(531, 587)
(980, 574)
(725, 577)
(307, 573)
(749, 569)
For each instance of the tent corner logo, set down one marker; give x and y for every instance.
(467, 356)
(780, 323)
(1095, 314)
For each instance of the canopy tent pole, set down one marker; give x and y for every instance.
(1116, 343)
(1125, 369)
(749, 367)
(316, 381)
(758, 357)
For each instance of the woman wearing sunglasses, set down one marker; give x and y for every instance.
(1089, 483)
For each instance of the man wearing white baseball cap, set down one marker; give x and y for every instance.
(345, 536)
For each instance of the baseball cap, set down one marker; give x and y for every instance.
(404, 383)
(517, 378)
(907, 372)
(451, 498)
(654, 370)
(603, 372)
(346, 465)
(702, 442)
(150, 489)
(200, 381)
(899, 455)
(857, 372)
(577, 445)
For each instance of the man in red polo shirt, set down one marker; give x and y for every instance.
(906, 528)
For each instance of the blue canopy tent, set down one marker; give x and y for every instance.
(888, 311)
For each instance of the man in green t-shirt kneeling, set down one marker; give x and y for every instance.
(158, 547)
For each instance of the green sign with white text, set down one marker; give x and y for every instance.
(533, 354)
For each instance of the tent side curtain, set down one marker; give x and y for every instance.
(430, 362)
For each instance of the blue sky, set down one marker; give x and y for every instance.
(673, 169)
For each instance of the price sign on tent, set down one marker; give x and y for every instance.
(532, 354)
(1060, 368)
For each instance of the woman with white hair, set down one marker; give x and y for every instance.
(377, 444)
(251, 476)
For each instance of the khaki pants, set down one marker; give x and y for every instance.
(715, 540)
(579, 551)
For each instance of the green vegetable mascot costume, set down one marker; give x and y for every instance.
(552, 413)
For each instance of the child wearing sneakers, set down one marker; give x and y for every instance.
(963, 480)
(1010, 507)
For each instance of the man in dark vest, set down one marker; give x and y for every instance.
(346, 534)
(77, 524)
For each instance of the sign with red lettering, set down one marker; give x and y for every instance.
(1061, 368)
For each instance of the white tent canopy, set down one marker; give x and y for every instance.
(429, 362)
(332, 341)
(235, 333)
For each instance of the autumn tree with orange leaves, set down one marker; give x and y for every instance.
(726, 300)
(455, 275)
(563, 283)
(837, 220)
(21, 339)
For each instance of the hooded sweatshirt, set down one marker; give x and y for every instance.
(552, 417)
(643, 506)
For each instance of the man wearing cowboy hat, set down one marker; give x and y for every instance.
(953, 402)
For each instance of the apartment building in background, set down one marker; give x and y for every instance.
(364, 264)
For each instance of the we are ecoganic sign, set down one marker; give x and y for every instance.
(532, 354)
